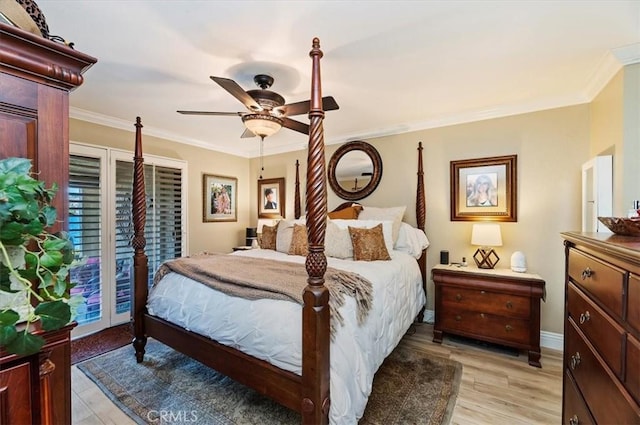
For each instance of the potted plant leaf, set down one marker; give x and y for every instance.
(34, 263)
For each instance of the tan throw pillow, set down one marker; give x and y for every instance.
(349, 213)
(392, 213)
(368, 244)
(269, 235)
(299, 244)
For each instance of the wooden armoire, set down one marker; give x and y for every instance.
(36, 76)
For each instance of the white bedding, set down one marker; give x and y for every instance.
(272, 330)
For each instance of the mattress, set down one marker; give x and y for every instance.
(272, 330)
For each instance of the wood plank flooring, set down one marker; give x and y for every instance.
(496, 388)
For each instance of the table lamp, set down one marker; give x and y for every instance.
(486, 236)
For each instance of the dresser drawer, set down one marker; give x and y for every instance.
(603, 332)
(603, 280)
(486, 302)
(574, 412)
(491, 328)
(632, 381)
(633, 302)
(594, 382)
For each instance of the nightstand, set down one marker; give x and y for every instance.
(492, 305)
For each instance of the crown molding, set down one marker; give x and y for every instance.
(628, 55)
(609, 66)
(95, 118)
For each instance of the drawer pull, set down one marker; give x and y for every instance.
(584, 317)
(509, 305)
(575, 361)
(508, 328)
(574, 420)
(482, 292)
(458, 318)
(458, 297)
(587, 273)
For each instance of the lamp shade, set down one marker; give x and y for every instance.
(262, 125)
(486, 235)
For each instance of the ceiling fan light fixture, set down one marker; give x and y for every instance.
(262, 125)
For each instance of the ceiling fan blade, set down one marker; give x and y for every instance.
(228, 114)
(238, 92)
(295, 125)
(298, 108)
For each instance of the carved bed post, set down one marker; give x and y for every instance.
(296, 205)
(140, 263)
(315, 323)
(420, 219)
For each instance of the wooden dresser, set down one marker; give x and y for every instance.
(493, 305)
(36, 76)
(602, 329)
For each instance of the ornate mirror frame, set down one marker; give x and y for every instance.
(376, 176)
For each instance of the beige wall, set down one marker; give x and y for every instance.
(214, 237)
(551, 146)
(615, 130)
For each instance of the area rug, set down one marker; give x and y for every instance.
(411, 387)
(106, 340)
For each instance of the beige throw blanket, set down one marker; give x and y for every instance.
(256, 278)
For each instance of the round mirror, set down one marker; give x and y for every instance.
(355, 170)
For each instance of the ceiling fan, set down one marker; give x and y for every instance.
(267, 110)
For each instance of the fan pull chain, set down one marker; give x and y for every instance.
(261, 156)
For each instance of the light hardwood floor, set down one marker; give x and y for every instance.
(496, 388)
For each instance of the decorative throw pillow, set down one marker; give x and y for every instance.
(283, 238)
(393, 213)
(337, 242)
(299, 244)
(349, 213)
(269, 234)
(368, 244)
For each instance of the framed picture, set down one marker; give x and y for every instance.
(484, 189)
(271, 199)
(219, 198)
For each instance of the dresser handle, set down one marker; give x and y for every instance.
(458, 318)
(587, 273)
(584, 317)
(482, 292)
(458, 297)
(509, 305)
(574, 420)
(575, 361)
(508, 328)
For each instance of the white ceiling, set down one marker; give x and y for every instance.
(392, 66)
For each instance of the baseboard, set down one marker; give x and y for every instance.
(550, 340)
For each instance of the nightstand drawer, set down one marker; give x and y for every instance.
(601, 330)
(486, 302)
(602, 280)
(492, 328)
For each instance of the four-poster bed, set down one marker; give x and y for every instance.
(303, 388)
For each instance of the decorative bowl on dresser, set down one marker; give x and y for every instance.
(493, 305)
(602, 329)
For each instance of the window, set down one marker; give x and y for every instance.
(101, 225)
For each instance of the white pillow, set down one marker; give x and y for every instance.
(394, 214)
(284, 236)
(411, 240)
(387, 229)
(337, 242)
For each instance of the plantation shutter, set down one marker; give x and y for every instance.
(85, 231)
(163, 228)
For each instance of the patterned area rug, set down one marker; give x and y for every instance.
(410, 387)
(100, 342)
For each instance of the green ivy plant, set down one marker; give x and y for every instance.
(34, 264)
